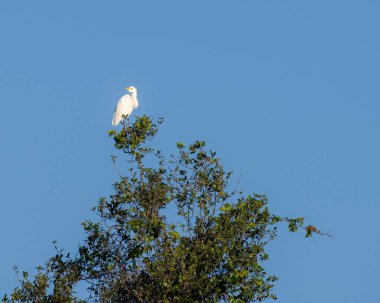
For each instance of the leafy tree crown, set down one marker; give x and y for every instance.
(172, 231)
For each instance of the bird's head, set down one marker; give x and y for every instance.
(131, 89)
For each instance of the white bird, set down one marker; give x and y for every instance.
(125, 106)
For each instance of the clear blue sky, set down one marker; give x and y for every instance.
(287, 93)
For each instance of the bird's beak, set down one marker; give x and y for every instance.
(127, 88)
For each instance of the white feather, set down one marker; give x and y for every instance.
(125, 107)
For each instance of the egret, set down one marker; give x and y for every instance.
(125, 106)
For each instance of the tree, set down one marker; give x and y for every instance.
(212, 250)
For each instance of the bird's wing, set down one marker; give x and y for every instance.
(123, 107)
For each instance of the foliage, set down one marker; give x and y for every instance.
(212, 250)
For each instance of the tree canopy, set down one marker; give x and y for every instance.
(174, 230)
